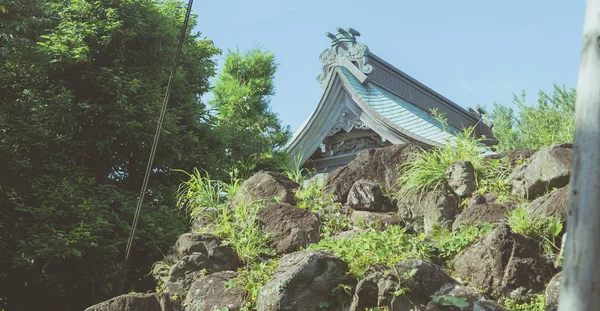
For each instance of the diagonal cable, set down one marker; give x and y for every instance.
(157, 134)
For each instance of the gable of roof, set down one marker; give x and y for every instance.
(380, 96)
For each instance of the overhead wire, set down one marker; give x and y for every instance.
(163, 111)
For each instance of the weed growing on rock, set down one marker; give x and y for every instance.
(333, 221)
(253, 277)
(544, 229)
(493, 179)
(427, 171)
(372, 247)
(292, 170)
(200, 193)
(538, 303)
(452, 243)
(235, 223)
(238, 226)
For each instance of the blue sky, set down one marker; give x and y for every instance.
(472, 52)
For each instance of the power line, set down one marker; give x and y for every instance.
(157, 135)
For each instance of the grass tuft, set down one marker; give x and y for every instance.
(427, 171)
(544, 229)
(236, 224)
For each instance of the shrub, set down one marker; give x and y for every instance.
(551, 121)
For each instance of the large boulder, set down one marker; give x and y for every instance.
(267, 186)
(553, 292)
(212, 293)
(493, 213)
(555, 204)
(546, 169)
(461, 178)
(504, 264)
(202, 253)
(427, 278)
(289, 228)
(302, 282)
(421, 278)
(137, 302)
(376, 289)
(439, 210)
(367, 196)
(434, 209)
(317, 180)
(378, 165)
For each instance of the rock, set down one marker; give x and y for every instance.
(348, 234)
(553, 292)
(211, 293)
(482, 199)
(317, 180)
(406, 208)
(469, 295)
(267, 186)
(375, 290)
(203, 223)
(427, 279)
(202, 253)
(439, 210)
(554, 204)
(492, 213)
(435, 209)
(367, 196)
(461, 178)
(302, 281)
(378, 220)
(137, 302)
(377, 165)
(546, 169)
(513, 156)
(189, 243)
(289, 228)
(504, 264)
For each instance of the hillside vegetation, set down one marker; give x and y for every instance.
(81, 88)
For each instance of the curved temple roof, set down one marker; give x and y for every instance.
(379, 96)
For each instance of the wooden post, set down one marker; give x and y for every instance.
(580, 286)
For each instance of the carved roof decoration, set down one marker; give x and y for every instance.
(347, 122)
(363, 92)
(344, 49)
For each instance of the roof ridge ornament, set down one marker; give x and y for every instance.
(344, 49)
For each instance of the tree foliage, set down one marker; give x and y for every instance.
(81, 87)
(241, 98)
(551, 121)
